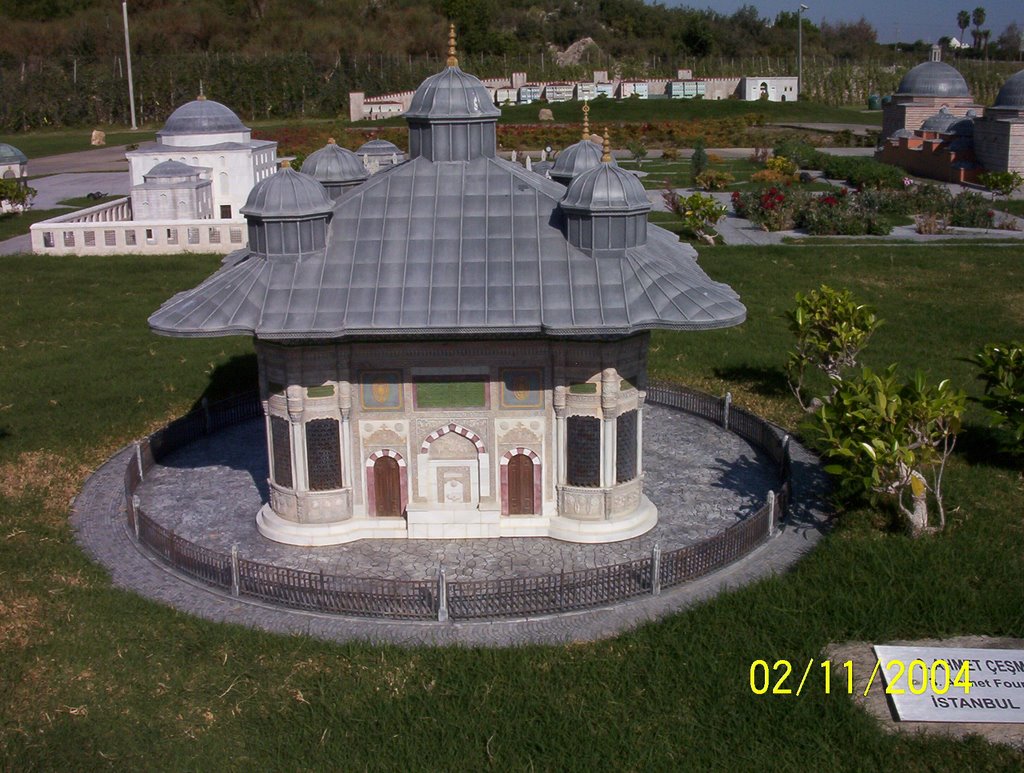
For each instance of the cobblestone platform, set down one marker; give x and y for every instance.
(702, 478)
(98, 518)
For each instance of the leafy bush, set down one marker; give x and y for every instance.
(890, 439)
(831, 328)
(699, 160)
(862, 172)
(840, 215)
(699, 214)
(714, 180)
(1001, 183)
(970, 210)
(773, 208)
(670, 154)
(772, 177)
(803, 154)
(1002, 370)
(15, 195)
(781, 164)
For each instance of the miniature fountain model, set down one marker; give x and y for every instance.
(456, 347)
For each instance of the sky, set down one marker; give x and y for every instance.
(926, 20)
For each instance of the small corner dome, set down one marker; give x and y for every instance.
(452, 94)
(172, 169)
(378, 148)
(287, 194)
(203, 116)
(941, 122)
(576, 159)
(334, 164)
(11, 155)
(934, 79)
(606, 188)
(1012, 93)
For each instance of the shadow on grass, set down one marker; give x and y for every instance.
(236, 376)
(980, 444)
(767, 381)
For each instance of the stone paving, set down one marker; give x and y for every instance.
(702, 478)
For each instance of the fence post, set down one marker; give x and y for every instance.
(138, 461)
(656, 570)
(206, 414)
(442, 596)
(234, 570)
(726, 402)
(137, 509)
(771, 513)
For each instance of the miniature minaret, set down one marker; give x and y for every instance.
(606, 157)
(586, 120)
(453, 60)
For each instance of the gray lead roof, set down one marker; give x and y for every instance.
(454, 249)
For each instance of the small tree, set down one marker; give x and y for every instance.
(698, 161)
(831, 329)
(698, 213)
(1001, 183)
(892, 440)
(639, 152)
(1002, 370)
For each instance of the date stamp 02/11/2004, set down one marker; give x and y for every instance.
(927, 684)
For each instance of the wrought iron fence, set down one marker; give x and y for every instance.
(440, 599)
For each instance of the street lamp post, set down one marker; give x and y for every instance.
(128, 58)
(800, 51)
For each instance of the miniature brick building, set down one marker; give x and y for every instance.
(456, 347)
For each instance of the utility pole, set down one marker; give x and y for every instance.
(128, 57)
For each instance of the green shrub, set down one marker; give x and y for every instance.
(714, 180)
(970, 210)
(1001, 183)
(698, 161)
(1002, 370)
(803, 154)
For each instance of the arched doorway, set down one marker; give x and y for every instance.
(387, 485)
(520, 485)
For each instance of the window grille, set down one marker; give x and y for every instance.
(625, 447)
(323, 453)
(282, 446)
(583, 451)
(110, 238)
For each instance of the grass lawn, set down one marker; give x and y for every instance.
(15, 225)
(95, 677)
(37, 144)
(1014, 206)
(85, 201)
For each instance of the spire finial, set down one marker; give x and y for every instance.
(331, 141)
(586, 120)
(452, 59)
(606, 157)
(202, 96)
(286, 163)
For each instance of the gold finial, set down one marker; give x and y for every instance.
(202, 96)
(452, 59)
(331, 141)
(606, 157)
(586, 120)
(286, 163)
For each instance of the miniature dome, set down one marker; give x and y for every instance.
(379, 148)
(11, 155)
(606, 188)
(1012, 93)
(172, 169)
(452, 95)
(964, 127)
(203, 116)
(575, 160)
(335, 164)
(934, 79)
(941, 122)
(287, 194)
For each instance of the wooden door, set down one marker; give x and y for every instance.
(520, 485)
(387, 486)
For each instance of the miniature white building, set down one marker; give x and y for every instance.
(586, 91)
(629, 89)
(13, 163)
(774, 88)
(559, 92)
(186, 194)
(529, 92)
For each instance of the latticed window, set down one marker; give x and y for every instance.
(625, 447)
(583, 451)
(281, 441)
(323, 454)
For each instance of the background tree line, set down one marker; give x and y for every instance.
(62, 61)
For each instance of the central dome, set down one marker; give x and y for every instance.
(203, 116)
(934, 79)
(452, 95)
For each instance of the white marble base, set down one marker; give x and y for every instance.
(272, 526)
(453, 524)
(559, 527)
